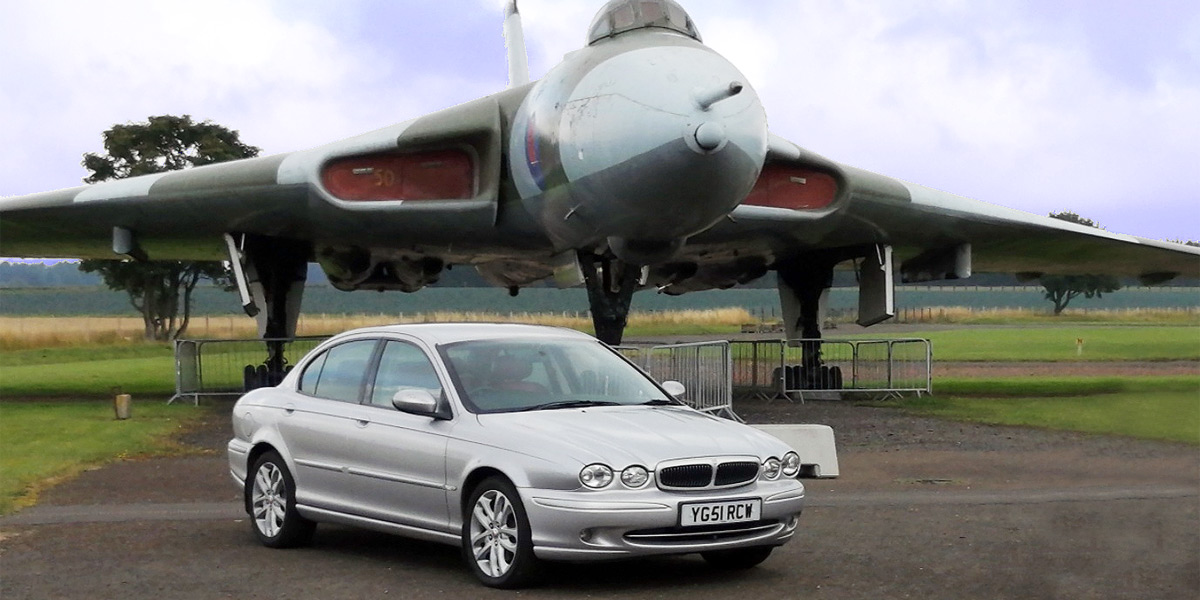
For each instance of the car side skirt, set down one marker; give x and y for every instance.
(328, 516)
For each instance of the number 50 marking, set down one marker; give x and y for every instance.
(385, 178)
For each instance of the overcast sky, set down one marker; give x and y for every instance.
(1042, 105)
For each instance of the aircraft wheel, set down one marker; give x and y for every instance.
(835, 378)
(248, 378)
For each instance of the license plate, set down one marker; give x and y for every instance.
(718, 513)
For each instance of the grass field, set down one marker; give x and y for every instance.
(144, 376)
(1159, 408)
(1158, 415)
(1050, 387)
(1058, 343)
(38, 333)
(46, 442)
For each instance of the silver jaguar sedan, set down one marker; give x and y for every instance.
(519, 443)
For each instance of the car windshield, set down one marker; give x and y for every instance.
(513, 375)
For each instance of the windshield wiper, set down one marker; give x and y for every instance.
(659, 402)
(570, 404)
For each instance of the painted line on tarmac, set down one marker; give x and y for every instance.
(122, 513)
(233, 511)
(985, 497)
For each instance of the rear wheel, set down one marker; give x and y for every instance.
(737, 559)
(496, 540)
(273, 514)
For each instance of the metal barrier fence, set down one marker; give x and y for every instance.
(704, 369)
(775, 368)
(712, 372)
(218, 367)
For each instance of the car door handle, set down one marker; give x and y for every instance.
(289, 409)
(362, 423)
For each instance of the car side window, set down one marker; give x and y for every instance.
(341, 372)
(308, 381)
(403, 366)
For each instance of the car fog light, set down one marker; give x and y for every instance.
(596, 476)
(793, 522)
(585, 535)
(635, 476)
(791, 464)
(771, 469)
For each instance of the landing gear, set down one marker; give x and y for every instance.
(610, 286)
(270, 274)
(804, 293)
(798, 377)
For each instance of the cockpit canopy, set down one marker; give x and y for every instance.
(619, 16)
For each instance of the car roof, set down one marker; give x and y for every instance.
(448, 333)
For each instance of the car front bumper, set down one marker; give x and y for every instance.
(238, 453)
(582, 526)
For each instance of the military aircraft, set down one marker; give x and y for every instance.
(642, 160)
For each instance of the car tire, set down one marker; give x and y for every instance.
(496, 541)
(737, 559)
(271, 498)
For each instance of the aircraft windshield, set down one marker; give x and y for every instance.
(619, 16)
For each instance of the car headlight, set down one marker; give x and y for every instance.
(791, 464)
(771, 469)
(596, 476)
(635, 476)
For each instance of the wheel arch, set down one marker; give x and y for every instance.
(472, 481)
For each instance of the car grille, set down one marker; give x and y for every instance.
(686, 476)
(735, 473)
(665, 536)
(697, 476)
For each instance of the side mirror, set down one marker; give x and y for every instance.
(417, 401)
(674, 388)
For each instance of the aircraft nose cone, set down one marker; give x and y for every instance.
(662, 130)
(710, 137)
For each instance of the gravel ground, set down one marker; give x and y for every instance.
(924, 508)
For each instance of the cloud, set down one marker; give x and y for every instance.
(241, 64)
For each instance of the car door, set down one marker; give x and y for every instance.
(399, 465)
(318, 427)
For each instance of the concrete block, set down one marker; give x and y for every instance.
(814, 444)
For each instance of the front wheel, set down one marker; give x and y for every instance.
(737, 559)
(496, 540)
(273, 514)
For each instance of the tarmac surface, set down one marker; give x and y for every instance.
(924, 509)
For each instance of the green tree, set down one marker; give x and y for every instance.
(1061, 289)
(161, 290)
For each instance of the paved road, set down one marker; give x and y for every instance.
(924, 509)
